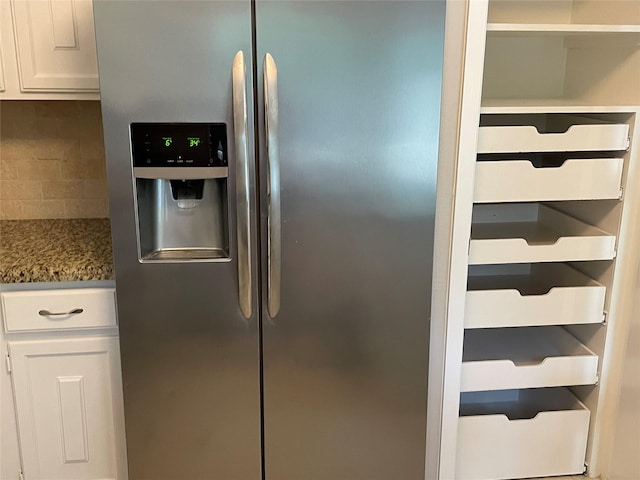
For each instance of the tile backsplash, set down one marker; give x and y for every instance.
(52, 161)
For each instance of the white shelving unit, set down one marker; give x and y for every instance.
(546, 188)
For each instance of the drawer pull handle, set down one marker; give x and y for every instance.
(47, 313)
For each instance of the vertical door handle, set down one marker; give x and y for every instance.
(243, 224)
(270, 72)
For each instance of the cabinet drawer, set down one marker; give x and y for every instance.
(521, 434)
(577, 138)
(542, 294)
(530, 357)
(520, 181)
(59, 309)
(533, 233)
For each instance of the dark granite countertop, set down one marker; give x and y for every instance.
(55, 250)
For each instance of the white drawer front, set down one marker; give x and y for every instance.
(493, 447)
(578, 138)
(520, 181)
(560, 306)
(59, 309)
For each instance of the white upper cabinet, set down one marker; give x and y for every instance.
(48, 49)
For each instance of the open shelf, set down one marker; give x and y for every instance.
(521, 434)
(534, 233)
(530, 357)
(590, 13)
(549, 105)
(537, 295)
(574, 63)
(629, 33)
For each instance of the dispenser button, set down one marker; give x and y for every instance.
(189, 161)
(170, 160)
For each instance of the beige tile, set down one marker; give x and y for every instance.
(82, 169)
(20, 190)
(15, 117)
(56, 109)
(39, 170)
(91, 148)
(62, 189)
(86, 208)
(10, 209)
(32, 209)
(8, 169)
(54, 148)
(12, 149)
(95, 188)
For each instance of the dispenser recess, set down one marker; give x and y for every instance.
(181, 172)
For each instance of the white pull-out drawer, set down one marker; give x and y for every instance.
(577, 138)
(529, 357)
(519, 181)
(59, 309)
(521, 434)
(541, 294)
(532, 233)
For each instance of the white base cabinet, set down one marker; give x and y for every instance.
(69, 408)
(62, 408)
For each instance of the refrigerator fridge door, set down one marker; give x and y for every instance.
(190, 356)
(348, 154)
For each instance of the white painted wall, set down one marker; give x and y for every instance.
(625, 460)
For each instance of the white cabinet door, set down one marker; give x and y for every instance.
(69, 408)
(55, 44)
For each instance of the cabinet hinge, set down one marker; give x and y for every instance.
(8, 361)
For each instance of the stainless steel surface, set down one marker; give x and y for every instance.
(47, 313)
(189, 357)
(353, 134)
(273, 184)
(169, 225)
(345, 360)
(181, 254)
(242, 182)
(180, 173)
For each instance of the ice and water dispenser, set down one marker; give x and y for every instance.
(181, 173)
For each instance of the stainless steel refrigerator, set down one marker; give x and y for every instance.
(273, 255)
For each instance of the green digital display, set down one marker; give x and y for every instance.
(167, 141)
(194, 142)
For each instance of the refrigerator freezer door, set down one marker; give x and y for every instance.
(190, 358)
(345, 357)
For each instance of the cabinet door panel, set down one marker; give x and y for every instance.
(55, 43)
(69, 408)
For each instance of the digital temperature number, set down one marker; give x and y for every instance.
(167, 141)
(194, 142)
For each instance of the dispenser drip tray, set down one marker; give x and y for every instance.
(181, 254)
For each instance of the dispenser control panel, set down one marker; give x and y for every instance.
(179, 144)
